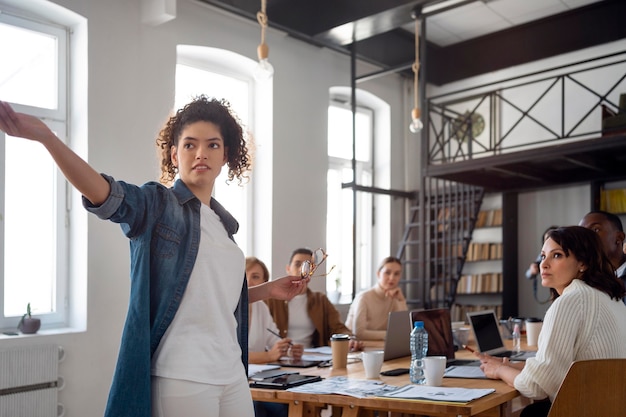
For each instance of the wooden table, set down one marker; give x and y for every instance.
(497, 404)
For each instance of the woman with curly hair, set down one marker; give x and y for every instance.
(184, 346)
(585, 321)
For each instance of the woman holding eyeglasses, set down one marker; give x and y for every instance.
(368, 314)
(184, 348)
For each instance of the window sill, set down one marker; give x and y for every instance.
(45, 332)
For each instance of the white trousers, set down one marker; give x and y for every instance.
(176, 397)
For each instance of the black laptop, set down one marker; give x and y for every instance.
(488, 338)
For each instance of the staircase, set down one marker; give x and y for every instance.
(435, 241)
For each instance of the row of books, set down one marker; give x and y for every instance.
(489, 218)
(483, 251)
(458, 312)
(490, 282)
(613, 201)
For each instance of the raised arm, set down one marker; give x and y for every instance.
(78, 172)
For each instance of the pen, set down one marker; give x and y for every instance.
(469, 348)
(277, 335)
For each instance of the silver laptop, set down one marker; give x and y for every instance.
(488, 339)
(397, 341)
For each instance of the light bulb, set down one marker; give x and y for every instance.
(416, 124)
(264, 71)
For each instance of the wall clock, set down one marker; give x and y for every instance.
(461, 124)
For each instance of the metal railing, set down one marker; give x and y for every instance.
(548, 107)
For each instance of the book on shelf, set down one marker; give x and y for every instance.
(489, 218)
(613, 201)
(490, 282)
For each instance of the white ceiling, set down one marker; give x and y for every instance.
(486, 16)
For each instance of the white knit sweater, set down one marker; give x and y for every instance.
(583, 323)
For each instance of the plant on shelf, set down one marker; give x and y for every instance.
(28, 324)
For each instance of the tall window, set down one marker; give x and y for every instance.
(339, 224)
(33, 211)
(197, 73)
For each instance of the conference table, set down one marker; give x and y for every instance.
(496, 404)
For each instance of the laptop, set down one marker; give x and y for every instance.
(397, 341)
(438, 324)
(487, 335)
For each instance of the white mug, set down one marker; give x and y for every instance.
(434, 368)
(372, 363)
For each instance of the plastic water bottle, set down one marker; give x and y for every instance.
(419, 349)
(516, 338)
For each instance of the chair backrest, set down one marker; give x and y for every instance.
(592, 388)
(438, 324)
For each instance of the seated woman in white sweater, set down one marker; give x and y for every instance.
(367, 317)
(587, 319)
(263, 345)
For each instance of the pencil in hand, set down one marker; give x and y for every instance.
(277, 335)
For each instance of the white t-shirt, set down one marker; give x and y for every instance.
(261, 319)
(200, 344)
(301, 327)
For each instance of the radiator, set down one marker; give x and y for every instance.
(29, 381)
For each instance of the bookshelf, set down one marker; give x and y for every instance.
(481, 283)
(613, 197)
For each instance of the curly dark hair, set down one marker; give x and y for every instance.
(205, 109)
(585, 245)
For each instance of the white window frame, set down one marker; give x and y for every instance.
(57, 120)
(364, 216)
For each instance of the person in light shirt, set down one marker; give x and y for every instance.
(585, 320)
(368, 314)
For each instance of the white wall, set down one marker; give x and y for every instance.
(130, 91)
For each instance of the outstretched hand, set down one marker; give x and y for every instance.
(21, 124)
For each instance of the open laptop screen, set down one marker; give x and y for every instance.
(486, 330)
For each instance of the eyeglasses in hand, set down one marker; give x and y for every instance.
(308, 268)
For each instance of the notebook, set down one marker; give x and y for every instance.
(488, 339)
(398, 335)
(293, 363)
(438, 324)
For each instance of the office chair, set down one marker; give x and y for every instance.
(592, 388)
(438, 324)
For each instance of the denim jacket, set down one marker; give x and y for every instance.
(163, 225)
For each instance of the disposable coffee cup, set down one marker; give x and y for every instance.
(340, 345)
(372, 363)
(533, 328)
(434, 368)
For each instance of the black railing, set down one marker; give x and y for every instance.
(548, 107)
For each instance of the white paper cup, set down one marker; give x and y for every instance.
(434, 367)
(372, 363)
(533, 328)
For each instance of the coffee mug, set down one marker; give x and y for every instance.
(434, 368)
(372, 363)
(533, 328)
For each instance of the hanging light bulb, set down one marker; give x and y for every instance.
(416, 125)
(264, 71)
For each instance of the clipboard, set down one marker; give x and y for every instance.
(285, 381)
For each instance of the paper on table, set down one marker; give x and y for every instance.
(359, 388)
(324, 350)
(423, 392)
(256, 368)
(464, 372)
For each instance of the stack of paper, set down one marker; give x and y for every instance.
(423, 392)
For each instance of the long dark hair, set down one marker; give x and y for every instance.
(585, 246)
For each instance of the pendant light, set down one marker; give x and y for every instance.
(416, 123)
(264, 70)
